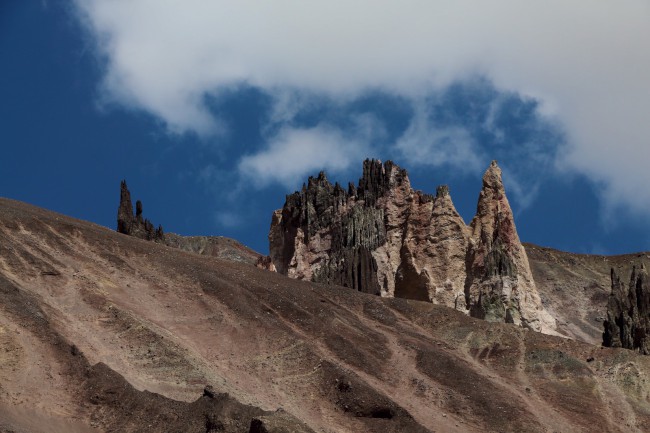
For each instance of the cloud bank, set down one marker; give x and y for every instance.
(586, 62)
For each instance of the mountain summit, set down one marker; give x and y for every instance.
(383, 237)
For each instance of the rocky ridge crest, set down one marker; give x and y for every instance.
(382, 237)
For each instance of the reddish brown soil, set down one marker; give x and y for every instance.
(102, 332)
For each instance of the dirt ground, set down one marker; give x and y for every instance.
(100, 332)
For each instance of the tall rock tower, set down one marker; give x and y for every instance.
(499, 285)
(628, 312)
(135, 225)
(382, 237)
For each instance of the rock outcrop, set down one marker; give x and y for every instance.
(499, 285)
(382, 237)
(265, 262)
(135, 225)
(214, 246)
(628, 313)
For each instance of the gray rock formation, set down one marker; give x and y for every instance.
(383, 237)
(628, 313)
(135, 225)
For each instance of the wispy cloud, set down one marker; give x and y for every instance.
(586, 62)
(427, 143)
(229, 220)
(294, 153)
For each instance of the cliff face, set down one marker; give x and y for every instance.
(383, 237)
(628, 313)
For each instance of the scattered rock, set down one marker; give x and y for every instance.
(208, 391)
(265, 262)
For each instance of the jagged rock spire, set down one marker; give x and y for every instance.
(383, 237)
(135, 225)
(628, 312)
(124, 210)
(500, 284)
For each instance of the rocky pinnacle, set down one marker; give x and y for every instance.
(135, 225)
(628, 312)
(382, 237)
(499, 284)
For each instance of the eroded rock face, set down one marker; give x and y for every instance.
(135, 225)
(383, 237)
(628, 313)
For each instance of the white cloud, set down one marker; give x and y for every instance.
(228, 219)
(295, 153)
(587, 61)
(425, 143)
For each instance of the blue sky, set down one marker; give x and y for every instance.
(214, 111)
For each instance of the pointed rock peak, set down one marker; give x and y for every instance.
(395, 173)
(375, 171)
(320, 181)
(373, 174)
(442, 191)
(443, 205)
(500, 282)
(125, 196)
(378, 178)
(135, 225)
(124, 210)
(352, 190)
(493, 213)
(492, 177)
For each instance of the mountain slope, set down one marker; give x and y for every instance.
(575, 287)
(83, 306)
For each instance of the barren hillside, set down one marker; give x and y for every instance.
(575, 287)
(104, 332)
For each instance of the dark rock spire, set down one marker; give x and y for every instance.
(135, 225)
(125, 210)
(628, 313)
